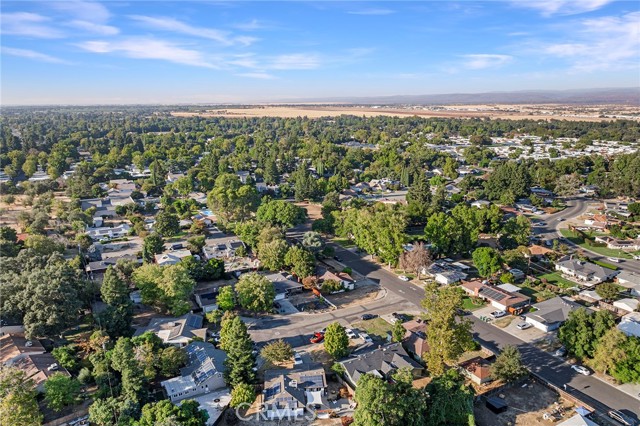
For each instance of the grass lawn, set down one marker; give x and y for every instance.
(344, 242)
(556, 279)
(579, 240)
(469, 305)
(606, 265)
(376, 327)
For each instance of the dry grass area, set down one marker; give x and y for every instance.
(504, 322)
(514, 112)
(526, 407)
(360, 296)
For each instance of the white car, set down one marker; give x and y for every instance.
(636, 257)
(582, 370)
(498, 314)
(613, 259)
(350, 333)
(297, 359)
(403, 278)
(366, 337)
(523, 326)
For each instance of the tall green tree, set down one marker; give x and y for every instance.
(448, 333)
(232, 200)
(60, 391)
(240, 359)
(301, 261)
(278, 351)
(167, 224)
(152, 244)
(487, 260)
(450, 401)
(508, 365)
(18, 403)
(255, 292)
(226, 299)
(336, 341)
(281, 213)
(114, 290)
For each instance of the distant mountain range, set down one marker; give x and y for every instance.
(627, 95)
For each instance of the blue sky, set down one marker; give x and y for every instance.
(168, 51)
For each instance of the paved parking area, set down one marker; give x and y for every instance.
(529, 335)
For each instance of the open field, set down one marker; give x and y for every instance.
(514, 112)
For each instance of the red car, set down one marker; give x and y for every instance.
(317, 338)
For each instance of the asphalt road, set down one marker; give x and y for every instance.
(596, 392)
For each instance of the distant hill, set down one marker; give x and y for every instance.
(628, 95)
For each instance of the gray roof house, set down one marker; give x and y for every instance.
(551, 313)
(176, 331)
(203, 373)
(630, 281)
(586, 273)
(381, 362)
(283, 285)
(287, 393)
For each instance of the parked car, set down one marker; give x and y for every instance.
(350, 333)
(636, 257)
(366, 337)
(317, 338)
(498, 314)
(297, 359)
(582, 370)
(403, 278)
(523, 326)
(614, 259)
(338, 258)
(367, 317)
(401, 317)
(561, 351)
(560, 219)
(621, 418)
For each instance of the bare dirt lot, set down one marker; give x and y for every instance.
(514, 112)
(527, 407)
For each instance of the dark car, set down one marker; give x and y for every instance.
(561, 351)
(338, 258)
(367, 317)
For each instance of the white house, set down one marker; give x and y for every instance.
(630, 281)
(630, 324)
(628, 304)
(171, 257)
(119, 231)
(551, 314)
(176, 331)
(587, 273)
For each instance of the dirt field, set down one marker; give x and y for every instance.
(515, 112)
(526, 407)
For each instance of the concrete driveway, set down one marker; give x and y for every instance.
(529, 335)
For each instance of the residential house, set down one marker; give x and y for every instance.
(449, 277)
(630, 281)
(578, 420)
(538, 252)
(221, 248)
(176, 331)
(499, 298)
(14, 347)
(103, 233)
(590, 296)
(415, 338)
(477, 369)
(288, 393)
(342, 277)
(541, 192)
(96, 269)
(381, 362)
(40, 176)
(481, 203)
(203, 373)
(586, 273)
(39, 368)
(284, 286)
(120, 192)
(630, 324)
(171, 257)
(172, 177)
(627, 305)
(244, 176)
(552, 313)
(617, 244)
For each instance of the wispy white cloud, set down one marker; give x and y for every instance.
(173, 25)
(294, 61)
(149, 48)
(562, 7)
(257, 75)
(480, 61)
(94, 28)
(609, 42)
(89, 11)
(252, 25)
(29, 25)
(372, 12)
(31, 54)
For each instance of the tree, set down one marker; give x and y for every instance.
(242, 395)
(509, 178)
(608, 291)
(281, 213)
(240, 360)
(610, 351)
(66, 356)
(568, 184)
(18, 404)
(382, 403)
(153, 244)
(226, 299)
(627, 370)
(43, 246)
(508, 365)
(277, 352)
(419, 198)
(312, 241)
(487, 261)
(167, 224)
(582, 330)
(171, 360)
(417, 259)
(336, 341)
(301, 261)
(60, 391)
(450, 402)
(255, 292)
(123, 360)
(232, 200)
(167, 287)
(398, 331)
(448, 333)
(272, 254)
(114, 290)
(8, 242)
(116, 320)
(165, 413)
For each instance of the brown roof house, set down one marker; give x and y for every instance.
(39, 368)
(498, 297)
(477, 369)
(415, 338)
(13, 347)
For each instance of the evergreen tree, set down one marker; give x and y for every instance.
(240, 360)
